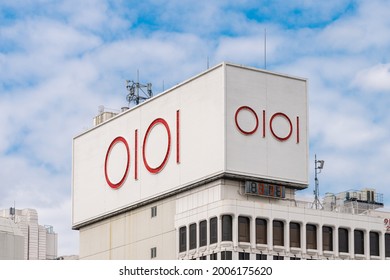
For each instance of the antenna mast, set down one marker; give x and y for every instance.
(138, 92)
(318, 166)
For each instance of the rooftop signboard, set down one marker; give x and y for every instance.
(228, 121)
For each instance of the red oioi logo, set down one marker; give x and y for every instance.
(280, 125)
(153, 169)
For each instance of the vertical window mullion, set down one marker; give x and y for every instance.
(243, 229)
(202, 233)
(387, 245)
(343, 240)
(261, 231)
(311, 236)
(183, 239)
(359, 242)
(213, 230)
(227, 228)
(278, 233)
(374, 244)
(192, 236)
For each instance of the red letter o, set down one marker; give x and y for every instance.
(151, 126)
(122, 180)
(236, 120)
(272, 130)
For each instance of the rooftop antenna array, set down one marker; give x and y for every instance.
(318, 166)
(138, 92)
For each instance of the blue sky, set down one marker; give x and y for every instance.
(60, 60)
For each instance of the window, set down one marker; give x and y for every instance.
(374, 244)
(278, 233)
(261, 231)
(226, 255)
(343, 240)
(327, 238)
(153, 252)
(295, 235)
(203, 233)
(243, 256)
(261, 257)
(278, 258)
(214, 256)
(294, 258)
(183, 239)
(311, 236)
(227, 228)
(243, 229)
(203, 258)
(153, 211)
(359, 241)
(192, 236)
(213, 230)
(387, 245)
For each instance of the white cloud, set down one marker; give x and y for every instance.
(58, 64)
(376, 78)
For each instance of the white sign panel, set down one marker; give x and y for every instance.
(228, 120)
(266, 126)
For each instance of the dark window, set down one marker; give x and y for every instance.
(154, 211)
(374, 244)
(327, 238)
(387, 245)
(153, 252)
(294, 258)
(243, 256)
(183, 239)
(203, 233)
(227, 228)
(359, 242)
(192, 236)
(295, 235)
(278, 233)
(343, 240)
(226, 255)
(261, 257)
(203, 258)
(214, 256)
(261, 231)
(213, 230)
(278, 258)
(243, 229)
(311, 236)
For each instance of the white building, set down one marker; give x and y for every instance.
(11, 240)
(209, 170)
(39, 242)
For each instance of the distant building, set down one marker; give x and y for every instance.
(11, 240)
(22, 231)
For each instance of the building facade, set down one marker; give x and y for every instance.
(209, 170)
(11, 240)
(38, 242)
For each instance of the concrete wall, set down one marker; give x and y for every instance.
(132, 235)
(11, 241)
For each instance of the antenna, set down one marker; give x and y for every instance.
(136, 91)
(318, 166)
(12, 212)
